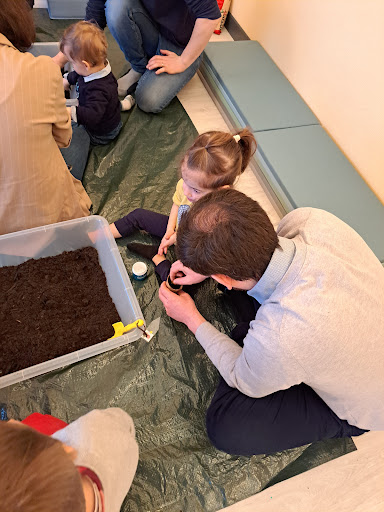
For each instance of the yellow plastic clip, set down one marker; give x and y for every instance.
(121, 329)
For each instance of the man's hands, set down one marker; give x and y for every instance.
(181, 307)
(168, 239)
(190, 277)
(168, 62)
(172, 63)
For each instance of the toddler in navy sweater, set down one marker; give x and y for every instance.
(98, 111)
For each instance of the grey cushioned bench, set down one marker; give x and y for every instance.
(297, 161)
(67, 9)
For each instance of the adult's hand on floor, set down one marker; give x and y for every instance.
(168, 62)
(190, 277)
(181, 307)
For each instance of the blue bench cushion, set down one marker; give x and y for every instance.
(263, 97)
(67, 9)
(306, 168)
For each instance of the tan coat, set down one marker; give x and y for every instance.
(36, 187)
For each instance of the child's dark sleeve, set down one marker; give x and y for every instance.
(72, 77)
(95, 12)
(91, 114)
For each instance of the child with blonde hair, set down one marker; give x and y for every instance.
(96, 119)
(215, 160)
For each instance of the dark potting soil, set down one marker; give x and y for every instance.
(53, 306)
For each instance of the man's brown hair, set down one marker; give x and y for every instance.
(226, 232)
(220, 156)
(37, 475)
(85, 41)
(16, 23)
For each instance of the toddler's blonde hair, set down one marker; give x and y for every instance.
(85, 41)
(220, 156)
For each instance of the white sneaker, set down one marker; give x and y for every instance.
(127, 103)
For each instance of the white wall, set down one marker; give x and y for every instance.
(332, 51)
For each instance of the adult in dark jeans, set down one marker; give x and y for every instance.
(162, 41)
(310, 367)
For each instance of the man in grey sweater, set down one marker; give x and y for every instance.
(309, 364)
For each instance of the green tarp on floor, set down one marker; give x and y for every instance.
(166, 385)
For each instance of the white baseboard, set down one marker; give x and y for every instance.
(41, 4)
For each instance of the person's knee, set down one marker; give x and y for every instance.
(215, 434)
(116, 11)
(136, 214)
(217, 430)
(149, 101)
(226, 433)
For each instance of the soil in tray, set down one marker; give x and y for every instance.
(53, 306)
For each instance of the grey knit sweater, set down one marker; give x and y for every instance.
(321, 321)
(105, 443)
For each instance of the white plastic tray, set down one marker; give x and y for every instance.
(41, 242)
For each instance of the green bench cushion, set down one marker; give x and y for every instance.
(263, 97)
(300, 163)
(306, 168)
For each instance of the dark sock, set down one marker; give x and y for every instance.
(147, 251)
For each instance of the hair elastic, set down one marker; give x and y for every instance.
(237, 137)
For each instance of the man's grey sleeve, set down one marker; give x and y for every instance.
(258, 369)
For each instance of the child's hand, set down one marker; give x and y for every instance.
(66, 84)
(168, 239)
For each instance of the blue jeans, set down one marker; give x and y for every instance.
(101, 140)
(76, 155)
(139, 38)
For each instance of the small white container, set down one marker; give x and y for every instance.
(139, 271)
